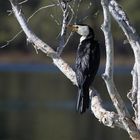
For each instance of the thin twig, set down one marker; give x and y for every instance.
(56, 21)
(65, 8)
(44, 7)
(68, 39)
(23, 2)
(108, 118)
(72, 14)
(12, 39)
(15, 36)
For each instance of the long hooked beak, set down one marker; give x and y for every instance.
(73, 28)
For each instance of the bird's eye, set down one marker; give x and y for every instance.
(77, 27)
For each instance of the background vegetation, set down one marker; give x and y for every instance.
(48, 30)
(30, 106)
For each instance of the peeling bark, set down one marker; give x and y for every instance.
(132, 95)
(110, 119)
(121, 119)
(108, 74)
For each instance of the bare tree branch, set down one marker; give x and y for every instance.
(23, 2)
(30, 17)
(64, 7)
(111, 119)
(108, 118)
(44, 7)
(39, 44)
(67, 12)
(133, 38)
(132, 95)
(108, 75)
(121, 18)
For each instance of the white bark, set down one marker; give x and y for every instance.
(108, 74)
(39, 44)
(110, 119)
(120, 16)
(132, 95)
(129, 125)
(133, 38)
(64, 7)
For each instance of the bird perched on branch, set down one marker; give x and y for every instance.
(87, 63)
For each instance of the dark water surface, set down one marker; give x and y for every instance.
(38, 103)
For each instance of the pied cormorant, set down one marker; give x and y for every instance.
(87, 63)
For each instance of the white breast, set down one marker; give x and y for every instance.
(82, 38)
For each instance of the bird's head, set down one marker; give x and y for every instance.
(81, 29)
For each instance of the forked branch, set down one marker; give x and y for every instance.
(120, 16)
(108, 75)
(110, 119)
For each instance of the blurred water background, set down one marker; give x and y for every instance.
(37, 102)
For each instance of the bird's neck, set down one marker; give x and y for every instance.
(86, 37)
(83, 38)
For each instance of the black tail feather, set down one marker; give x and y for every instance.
(83, 100)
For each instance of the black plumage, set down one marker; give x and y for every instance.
(87, 63)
